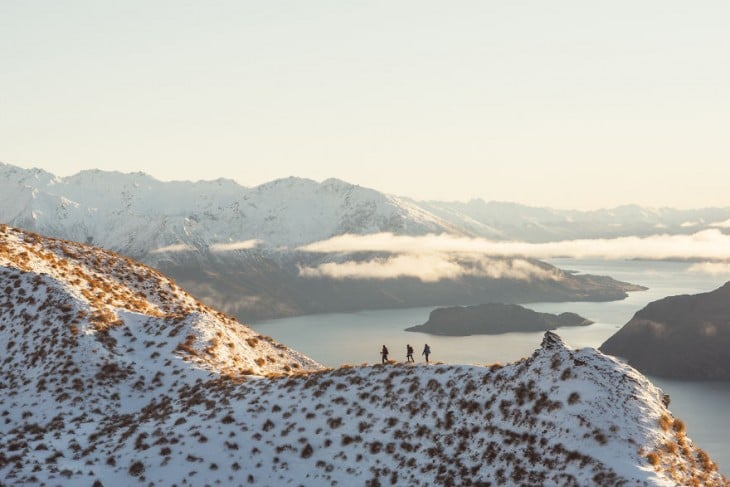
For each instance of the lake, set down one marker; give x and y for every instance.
(356, 338)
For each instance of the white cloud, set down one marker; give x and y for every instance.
(231, 246)
(708, 244)
(712, 268)
(725, 224)
(431, 268)
(174, 248)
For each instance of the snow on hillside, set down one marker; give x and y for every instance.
(97, 299)
(111, 375)
(135, 214)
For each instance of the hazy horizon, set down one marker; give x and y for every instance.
(465, 199)
(561, 104)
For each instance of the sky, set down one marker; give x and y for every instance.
(569, 104)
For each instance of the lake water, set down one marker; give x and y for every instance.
(355, 338)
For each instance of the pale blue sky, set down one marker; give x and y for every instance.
(574, 104)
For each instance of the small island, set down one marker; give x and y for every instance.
(494, 319)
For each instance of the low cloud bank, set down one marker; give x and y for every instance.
(706, 245)
(725, 224)
(431, 268)
(174, 248)
(434, 257)
(217, 247)
(231, 246)
(712, 268)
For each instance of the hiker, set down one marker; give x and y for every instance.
(426, 351)
(384, 353)
(409, 353)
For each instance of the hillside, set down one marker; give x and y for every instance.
(681, 337)
(493, 319)
(112, 375)
(103, 305)
(238, 247)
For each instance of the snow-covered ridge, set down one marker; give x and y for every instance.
(96, 298)
(135, 214)
(111, 375)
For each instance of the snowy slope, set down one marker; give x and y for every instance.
(111, 375)
(96, 299)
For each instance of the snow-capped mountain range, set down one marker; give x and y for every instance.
(112, 375)
(238, 248)
(136, 214)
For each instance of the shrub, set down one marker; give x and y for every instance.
(136, 469)
(653, 458)
(665, 422)
(375, 447)
(573, 398)
(307, 451)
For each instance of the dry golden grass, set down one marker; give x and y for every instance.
(665, 422)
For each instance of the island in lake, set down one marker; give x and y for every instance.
(493, 319)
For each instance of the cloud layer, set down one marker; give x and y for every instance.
(174, 248)
(217, 247)
(431, 268)
(705, 245)
(725, 224)
(228, 247)
(713, 268)
(434, 257)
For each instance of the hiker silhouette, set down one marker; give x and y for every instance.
(384, 354)
(426, 351)
(409, 353)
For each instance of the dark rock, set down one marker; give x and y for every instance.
(551, 341)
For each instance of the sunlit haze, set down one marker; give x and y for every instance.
(566, 104)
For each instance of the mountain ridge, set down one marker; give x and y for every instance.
(476, 217)
(238, 247)
(112, 375)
